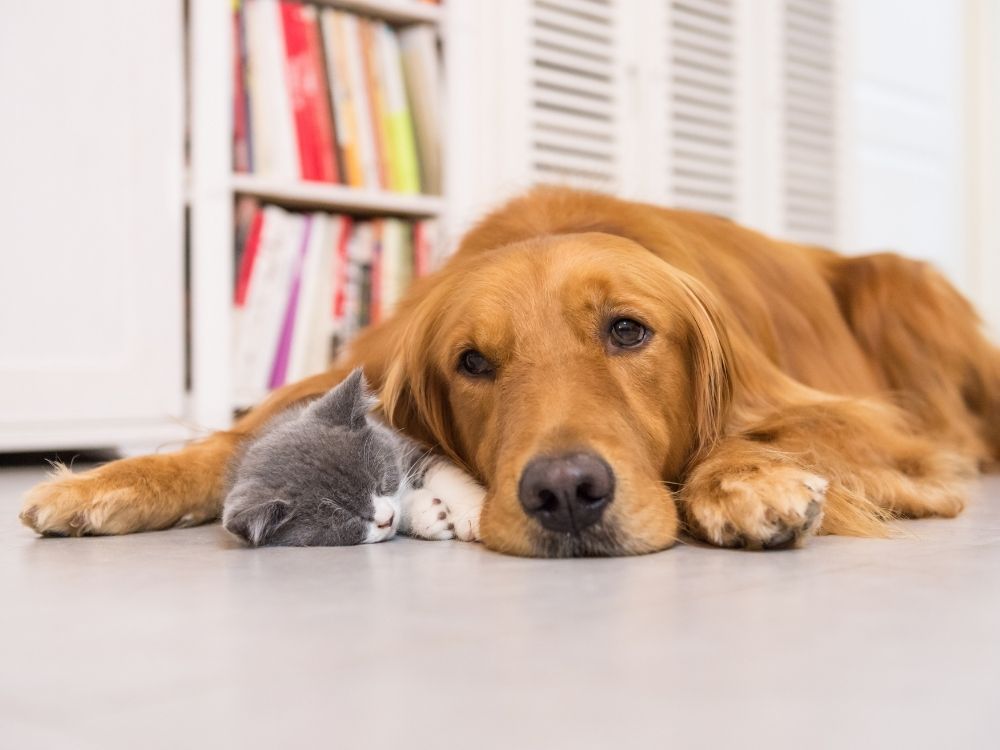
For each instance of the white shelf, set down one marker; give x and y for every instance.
(336, 197)
(394, 11)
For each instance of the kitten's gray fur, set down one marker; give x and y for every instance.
(315, 474)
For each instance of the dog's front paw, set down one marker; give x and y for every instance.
(144, 493)
(759, 507)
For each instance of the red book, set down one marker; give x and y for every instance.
(248, 257)
(320, 101)
(340, 269)
(421, 250)
(375, 300)
(308, 92)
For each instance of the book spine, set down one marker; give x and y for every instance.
(376, 99)
(319, 101)
(272, 124)
(327, 63)
(300, 80)
(310, 332)
(359, 96)
(375, 289)
(280, 368)
(424, 247)
(341, 248)
(404, 150)
(248, 257)
(422, 76)
(242, 161)
(404, 254)
(259, 320)
(344, 105)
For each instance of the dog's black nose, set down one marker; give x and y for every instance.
(566, 493)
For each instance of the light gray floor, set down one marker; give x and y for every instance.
(183, 639)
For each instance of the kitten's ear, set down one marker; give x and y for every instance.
(348, 404)
(257, 524)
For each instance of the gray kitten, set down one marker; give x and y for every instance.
(325, 474)
(328, 474)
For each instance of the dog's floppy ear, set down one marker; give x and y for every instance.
(711, 366)
(414, 394)
(257, 524)
(348, 404)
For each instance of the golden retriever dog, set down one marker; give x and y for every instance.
(615, 372)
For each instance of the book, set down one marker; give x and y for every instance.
(306, 283)
(309, 351)
(421, 72)
(249, 219)
(327, 95)
(425, 240)
(242, 138)
(361, 251)
(308, 93)
(396, 263)
(343, 104)
(271, 120)
(265, 299)
(359, 95)
(342, 245)
(378, 114)
(279, 368)
(405, 169)
(326, 126)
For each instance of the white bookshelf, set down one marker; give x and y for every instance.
(395, 11)
(213, 188)
(299, 194)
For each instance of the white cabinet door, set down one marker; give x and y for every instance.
(91, 220)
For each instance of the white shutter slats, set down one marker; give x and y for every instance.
(550, 16)
(702, 127)
(574, 127)
(573, 93)
(571, 104)
(585, 66)
(569, 140)
(573, 83)
(577, 46)
(809, 119)
(599, 12)
(712, 105)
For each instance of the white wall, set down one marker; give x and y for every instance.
(906, 184)
(983, 156)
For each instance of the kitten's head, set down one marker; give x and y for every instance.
(327, 475)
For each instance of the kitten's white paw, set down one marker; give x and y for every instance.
(447, 506)
(426, 516)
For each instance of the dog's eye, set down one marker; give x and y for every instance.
(473, 363)
(627, 333)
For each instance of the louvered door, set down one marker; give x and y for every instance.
(809, 121)
(701, 139)
(574, 107)
(723, 106)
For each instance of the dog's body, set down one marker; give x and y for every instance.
(595, 360)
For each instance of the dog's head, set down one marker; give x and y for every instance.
(578, 375)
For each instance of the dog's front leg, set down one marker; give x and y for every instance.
(840, 466)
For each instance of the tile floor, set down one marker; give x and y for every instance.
(183, 639)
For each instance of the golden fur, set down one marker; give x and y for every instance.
(784, 389)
